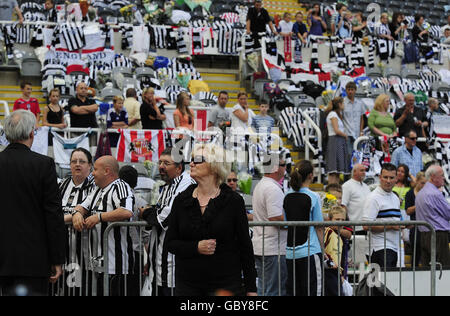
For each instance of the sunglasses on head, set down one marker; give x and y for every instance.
(196, 160)
(232, 180)
(412, 138)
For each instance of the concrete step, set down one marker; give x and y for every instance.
(218, 77)
(226, 71)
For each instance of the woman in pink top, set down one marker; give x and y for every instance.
(183, 115)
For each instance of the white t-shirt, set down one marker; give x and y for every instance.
(237, 123)
(382, 206)
(285, 27)
(267, 203)
(331, 131)
(354, 194)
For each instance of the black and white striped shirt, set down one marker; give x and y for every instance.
(73, 36)
(161, 262)
(117, 194)
(73, 195)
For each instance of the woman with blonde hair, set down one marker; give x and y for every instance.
(337, 157)
(183, 115)
(380, 121)
(208, 231)
(152, 115)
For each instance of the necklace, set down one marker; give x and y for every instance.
(208, 197)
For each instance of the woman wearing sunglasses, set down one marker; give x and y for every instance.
(232, 181)
(208, 232)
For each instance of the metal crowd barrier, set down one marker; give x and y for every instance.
(86, 272)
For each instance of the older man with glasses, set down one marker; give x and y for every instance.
(161, 263)
(409, 154)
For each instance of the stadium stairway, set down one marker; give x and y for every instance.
(11, 93)
(280, 7)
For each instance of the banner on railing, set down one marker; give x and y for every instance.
(142, 145)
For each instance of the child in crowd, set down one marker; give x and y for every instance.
(26, 102)
(53, 113)
(299, 29)
(263, 123)
(286, 25)
(333, 244)
(117, 117)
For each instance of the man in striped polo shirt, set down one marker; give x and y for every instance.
(383, 205)
(162, 263)
(112, 201)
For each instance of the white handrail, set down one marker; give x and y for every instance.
(6, 107)
(310, 123)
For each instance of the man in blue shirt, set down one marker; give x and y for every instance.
(409, 154)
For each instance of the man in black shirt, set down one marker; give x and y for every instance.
(410, 117)
(82, 109)
(257, 18)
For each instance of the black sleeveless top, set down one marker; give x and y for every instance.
(55, 117)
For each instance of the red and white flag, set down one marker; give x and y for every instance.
(142, 145)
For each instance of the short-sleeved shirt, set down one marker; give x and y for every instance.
(113, 117)
(84, 120)
(299, 28)
(117, 194)
(219, 115)
(31, 105)
(409, 123)
(133, 108)
(354, 194)
(331, 131)
(344, 31)
(258, 19)
(312, 203)
(352, 116)
(263, 124)
(285, 27)
(6, 9)
(414, 161)
(268, 203)
(382, 206)
(236, 122)
(146, 111)
(385, 123)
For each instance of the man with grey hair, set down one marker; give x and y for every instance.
(410, 117)
(82, 109)
(32, 215)
(433, 208)
(270, 244)
(161, 263)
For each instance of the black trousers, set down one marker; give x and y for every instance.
(23, 286)
(305, 279)
(391, 258)
(442, 250)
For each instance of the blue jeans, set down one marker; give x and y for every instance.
(272, 286)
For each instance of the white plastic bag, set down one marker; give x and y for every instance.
(347, 288)
(147, 287)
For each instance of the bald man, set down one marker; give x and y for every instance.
(82, 109)
(113, 201)
(410, 117)
(354, 194)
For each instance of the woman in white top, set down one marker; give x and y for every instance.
(286, 25)
(337, 158)
(241, 117)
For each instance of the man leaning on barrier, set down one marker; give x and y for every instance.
(112, 201)
(383, 205)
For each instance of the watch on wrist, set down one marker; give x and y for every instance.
(76, 211)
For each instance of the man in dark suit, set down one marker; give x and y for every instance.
(32, 232)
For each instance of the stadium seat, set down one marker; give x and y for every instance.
(126, 72)
(389, 72)
(31, 67)
(144, 72)
(374, 74)
(300, 99)
(408, 73)
(259, 87)
(375, 92)
(107, 94)
(208, 102)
